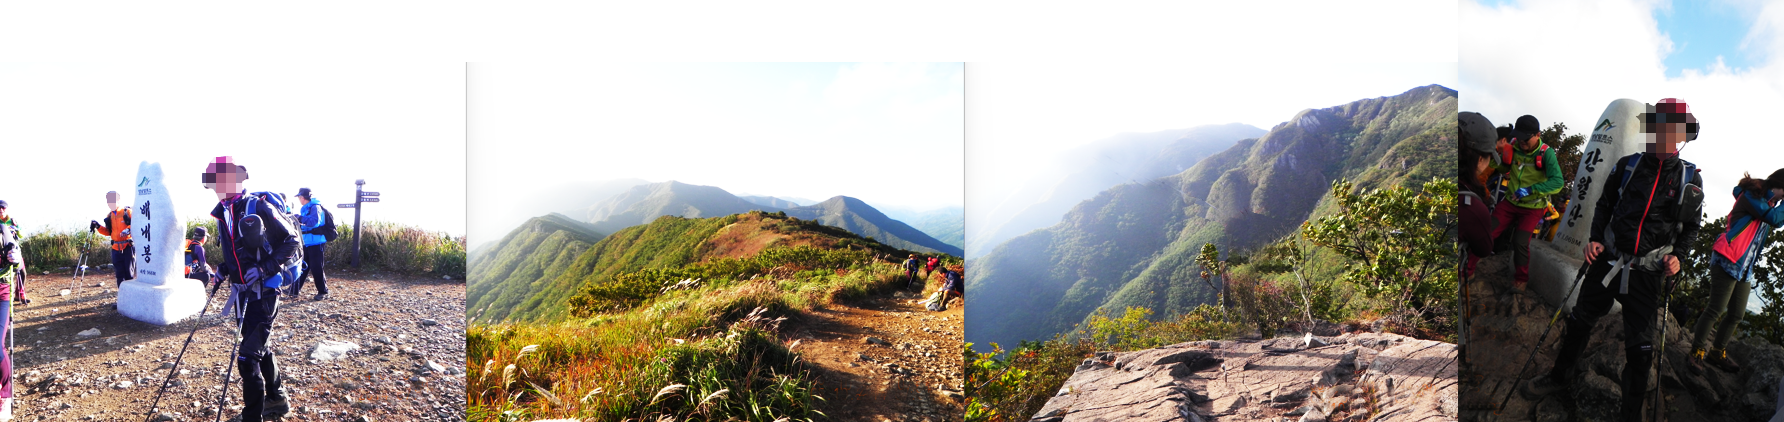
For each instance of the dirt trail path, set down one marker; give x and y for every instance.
(914, 375)
(401, 324)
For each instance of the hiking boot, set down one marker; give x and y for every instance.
(1544, 386)
(1720, 360)
(320, 296)
(275, 406)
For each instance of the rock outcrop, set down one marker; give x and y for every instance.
(1349, 377)
(1504, 323)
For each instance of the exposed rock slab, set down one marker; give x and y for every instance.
(1288, 378)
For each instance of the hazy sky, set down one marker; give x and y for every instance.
(71, 132)
(1564, 61)
(1023, 115)
(885, 133)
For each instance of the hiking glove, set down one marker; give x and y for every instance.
(94, 225)
(1521, 193)
(251, 276)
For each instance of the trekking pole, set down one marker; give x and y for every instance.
(1581, 278)
(196, 324)
(231, 365)
(1660, 387)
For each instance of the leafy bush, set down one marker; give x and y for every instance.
(1398, 247)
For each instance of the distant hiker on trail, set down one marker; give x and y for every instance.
(1736, 251)
(910, 272)
(1644, 222)
(1475, 157)
(260, 252)
(117, 225)
(197, 268)
(1533, 174)
(311, 218)
(929, 267)
(12, 266)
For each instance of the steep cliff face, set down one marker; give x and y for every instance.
(1134, 244)
(1348, 377)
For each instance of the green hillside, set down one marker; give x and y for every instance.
(511, 270)
(565, 267)
(1134, 244)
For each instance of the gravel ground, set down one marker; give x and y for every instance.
(407, 366)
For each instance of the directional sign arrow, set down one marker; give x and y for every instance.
(368, 194)
(368, 199)
(345, 206)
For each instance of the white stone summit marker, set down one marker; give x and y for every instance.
(1554, 264)
(160, 294)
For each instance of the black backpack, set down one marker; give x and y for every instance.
(327, 229)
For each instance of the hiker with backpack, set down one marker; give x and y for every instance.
(910, 272)
(318, 228)
(117, 226)
(261, 252)
(1475, 156)
(1532, 173)
(197, 268)
(1641, 231)
(1732, 259)
(12, 270)
(929, 265)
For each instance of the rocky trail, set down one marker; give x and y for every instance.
(1345, 377)
(1506, 322)
(884, 358)
(76, 358)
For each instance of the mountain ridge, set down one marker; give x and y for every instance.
(1134, 244)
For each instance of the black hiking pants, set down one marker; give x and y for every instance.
(313, 270)
(1640, 308)
(124, 263)
(260, 371)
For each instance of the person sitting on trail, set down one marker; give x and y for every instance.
(1475, 157)
(929, 265)
(259, 249)
(1643, 224)
(953, 285)
(1736, 251)
(309, 219)
(12, 267)
(197, 268)
(911, 266)
(117, 226)
(1533, 174)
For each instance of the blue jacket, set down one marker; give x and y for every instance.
(309, 219)
(1770, 217)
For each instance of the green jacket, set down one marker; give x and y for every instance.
(1522, 173)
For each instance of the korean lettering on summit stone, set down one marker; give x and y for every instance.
(1584, 184)
(148, 253)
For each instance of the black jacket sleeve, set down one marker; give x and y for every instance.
(1692, 223)
(1607, 200)
(227, 268)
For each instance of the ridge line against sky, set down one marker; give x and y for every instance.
(887, 134)
(1023, 119)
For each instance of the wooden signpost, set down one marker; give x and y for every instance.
(360, 196)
